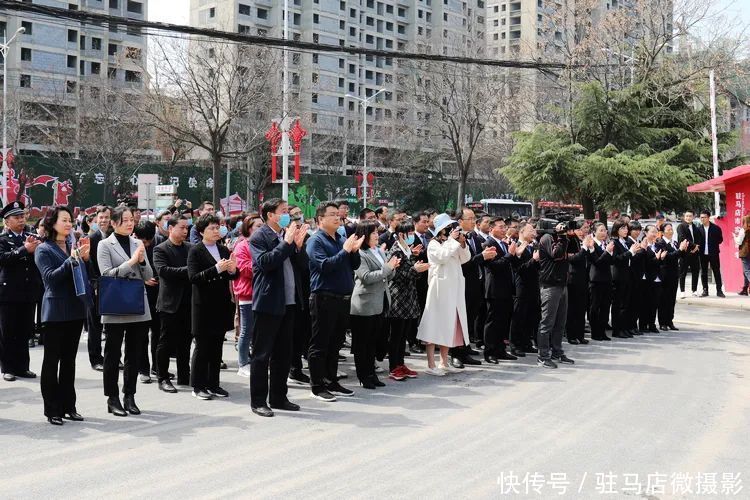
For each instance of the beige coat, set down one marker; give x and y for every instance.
(445, 294)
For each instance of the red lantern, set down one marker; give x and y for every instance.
(296, 134)
(274, 136)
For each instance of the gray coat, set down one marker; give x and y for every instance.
(370, 283)
(113, 261)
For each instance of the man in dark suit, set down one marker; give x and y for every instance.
(690, 260)
(302, 326)
(473, 272)
(579, 240)
(274, 306)
(93, 320)
(145, 231)
(422, 237)
(526, 300)
(20, 287)
(388, 237)
(711, 239)
(173, 303)
(499, 289)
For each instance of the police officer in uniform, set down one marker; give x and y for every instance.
(20, 286)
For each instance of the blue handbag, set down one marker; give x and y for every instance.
(121, 296)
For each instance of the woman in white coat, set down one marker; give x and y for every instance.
(444, 320)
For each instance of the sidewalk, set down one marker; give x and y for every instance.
(733, 301)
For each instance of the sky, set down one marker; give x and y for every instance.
(169, 11)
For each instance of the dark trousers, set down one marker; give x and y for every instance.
(474, 306)
(16, 328)
(365, 332)
(330, 318)
(577, 301)
(411, 335)
(637, 296)
(206, 360)
(300, 337)
(134, 335)
(554, 307)
(497, 325)
(667, 302)
(94, 328)
(400, 328)
(713, 261)
(174, 337)
(649, 303)
(525, 320)
(601, 298)
(59, 367)
(689, 262)
(620, 305)
(272, 349)
(151, 339)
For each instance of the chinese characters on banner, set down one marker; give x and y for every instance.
(738, 210)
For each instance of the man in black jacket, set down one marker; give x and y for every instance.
(553, 279)
(302, 327)
(473, 272)
(20, 287)
(274, 306)
(173, 303)
(94, 320)
(498, 293)
(690, 260)
(578, 284)
(526, 299)
(388, 237)
(711, 239)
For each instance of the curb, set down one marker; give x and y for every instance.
(732, 302)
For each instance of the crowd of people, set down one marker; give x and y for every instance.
(459, 283)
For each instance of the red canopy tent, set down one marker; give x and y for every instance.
(736, 184)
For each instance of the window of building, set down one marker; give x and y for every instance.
(341, 64)
(72, 6)
(82, 67)
(389, 9)
(244, 9)
(95, 68)
(314, 98)
(341, 121)
(353, 13)
(342, 5)
(96, 44)
(262, 13)
(296, 19)
(70, 87)
(114, 4)
(29, 27)
(316, 38)
(25, 54)
(295, 78)
(262, 32)
(112, 73)
(26, 81)
(341, 83)
(133, 76)
(212, 12)
(352, 31)
(72, 36)
(72, 60)
(315, 78)
(342, 24)
(243, 29)
(341, 102)
(136, 7)
(316, 18)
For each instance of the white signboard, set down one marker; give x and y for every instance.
(165, 189)
(147, 190)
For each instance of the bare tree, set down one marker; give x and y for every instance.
(215, 97)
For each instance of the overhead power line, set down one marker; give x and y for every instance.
(95, 18)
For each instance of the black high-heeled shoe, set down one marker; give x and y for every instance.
(367, 384)
(114, 407)
(55, 420)
(74, 416)
(377, 382)
(130, 406)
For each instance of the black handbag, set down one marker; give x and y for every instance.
(121, 296)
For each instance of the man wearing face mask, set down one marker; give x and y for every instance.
(101, 229)
(162, 229)
(275, 297)
(333, 259)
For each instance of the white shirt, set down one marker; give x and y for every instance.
(657, 280)
(483, 235)
(705, 248)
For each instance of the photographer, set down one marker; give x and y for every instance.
(553, 281)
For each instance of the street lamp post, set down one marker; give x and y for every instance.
(365, 102)
(4, 50)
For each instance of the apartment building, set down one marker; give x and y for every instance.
(57, 67)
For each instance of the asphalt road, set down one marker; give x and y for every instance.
(631, 413)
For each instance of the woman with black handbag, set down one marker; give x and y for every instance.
(210, 267)
(121, 256)
(64, 309)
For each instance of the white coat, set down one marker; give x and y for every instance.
(445, 294)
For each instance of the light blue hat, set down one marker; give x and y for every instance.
(441, 222)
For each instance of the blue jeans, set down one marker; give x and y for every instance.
(246, 334)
